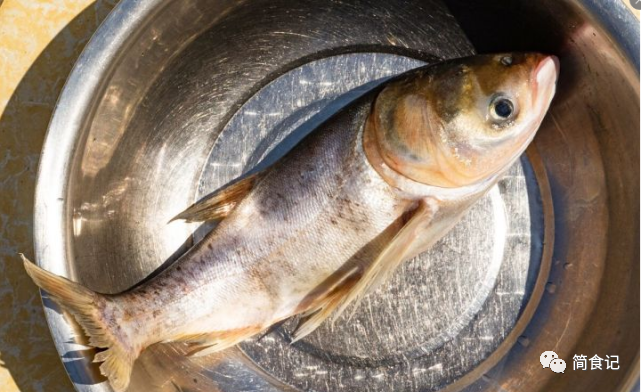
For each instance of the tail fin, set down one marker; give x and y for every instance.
(86, 306)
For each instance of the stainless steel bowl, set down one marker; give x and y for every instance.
(171, 99)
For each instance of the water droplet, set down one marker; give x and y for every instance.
(524, 341)
(550, 288)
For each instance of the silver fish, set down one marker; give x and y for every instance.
(374, 186)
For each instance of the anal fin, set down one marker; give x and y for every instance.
(211, 342)
(220, 203)
(343, 288)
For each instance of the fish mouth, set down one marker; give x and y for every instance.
(545, 76)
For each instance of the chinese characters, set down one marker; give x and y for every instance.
(582, 362)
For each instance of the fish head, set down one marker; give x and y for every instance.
(463, 121)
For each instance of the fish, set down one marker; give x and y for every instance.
(375, 185)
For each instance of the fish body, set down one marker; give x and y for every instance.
(375, 185)
(321, 208)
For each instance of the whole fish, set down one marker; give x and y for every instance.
(374, 186)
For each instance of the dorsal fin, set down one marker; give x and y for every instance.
(220, 203)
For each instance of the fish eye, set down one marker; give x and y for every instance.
(502, 109)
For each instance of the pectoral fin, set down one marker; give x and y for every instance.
(324, 299)
(220, 203)
(346, 287)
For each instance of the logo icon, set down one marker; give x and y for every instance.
(547, 357)
(636, 4)
(557, 365)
